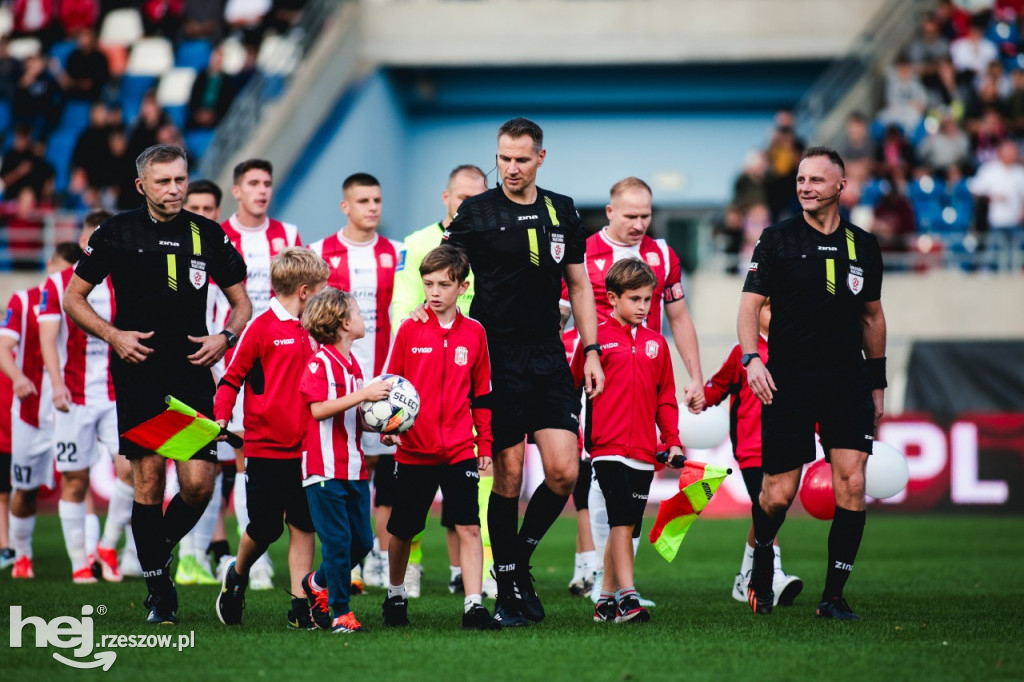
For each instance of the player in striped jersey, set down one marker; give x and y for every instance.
(86, 416)
(31, 410)
(363, 263)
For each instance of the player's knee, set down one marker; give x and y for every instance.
(468, 533)
(197, 495)
(562, 481)
(848, 487)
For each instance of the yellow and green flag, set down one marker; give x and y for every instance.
(176, 433)
(697, 484)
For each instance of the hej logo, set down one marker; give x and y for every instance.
(64, 632)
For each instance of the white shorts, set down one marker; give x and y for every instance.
(31, 456)
(79, 432)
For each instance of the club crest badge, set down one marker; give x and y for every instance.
(653, 259)
(197, 277)
(387, 261)
(651, 347)
(557, 246)
(461, 356)
(855, 279)
(277, 244)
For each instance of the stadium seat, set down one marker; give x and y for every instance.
(194, 54)
(117, 58)
(121, 27)
(175, 86)
(6, 20)
(133, 88)
(235, 56)
(61, 51)
(75, 117)
(277, 56)
(22, 48)
(5, 114)
(178, 114)
(197, 141)
(58, 152)
(150, 57)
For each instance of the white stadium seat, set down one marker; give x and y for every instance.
(121, 27)
(6, 20)
(151, 57)
(175, 87)
(234, 56)
(22, 48)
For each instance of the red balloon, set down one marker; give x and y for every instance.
(816, 494)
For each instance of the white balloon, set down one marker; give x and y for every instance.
(887, 471)
(704, 430)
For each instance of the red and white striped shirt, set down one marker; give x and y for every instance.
(367, 271)
(269, 359)
(331, 447)
(603, 252)
(84, 359)
(21, 322)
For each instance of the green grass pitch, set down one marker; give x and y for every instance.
(940, 596)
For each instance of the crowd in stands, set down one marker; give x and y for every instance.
(85, 85)
(935, 171)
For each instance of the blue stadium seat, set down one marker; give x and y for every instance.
(178, 114)
(197, 140)
(194, 54)
(5, 116)
(133, 88)
(874, 190)
(58, 152)
(75, 117)
(60, 51)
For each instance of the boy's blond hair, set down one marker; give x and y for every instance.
(629, 273)
(325, 312)
(295, 266)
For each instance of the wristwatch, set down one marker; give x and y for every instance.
(747, 357)
(596, 347)
(232, 339)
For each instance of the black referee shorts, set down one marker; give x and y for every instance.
(839, 405)
(140, 391)
(531, 389)
(417, 484)
(273, 491)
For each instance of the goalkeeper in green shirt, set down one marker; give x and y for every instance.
(464, 181)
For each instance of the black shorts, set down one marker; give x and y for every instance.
(384, 481)
(531, 389)
(141, 389)
(840, 405)
(625, 491)
(273, 492)
(581, 493)
(417, 484)
(5, 472)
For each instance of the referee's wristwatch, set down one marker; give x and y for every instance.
(596, 347)
(232, 339)
(747, 357)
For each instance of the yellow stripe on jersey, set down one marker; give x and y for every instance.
(830, 275)
(172, 272)
(534, 251)
(851, 249)
(197, 244)
(551, 211)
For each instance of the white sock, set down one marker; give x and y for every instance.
(589, 563)
(636, 546)
(598, 517)
(396, 591)
(778, 560)
(471, 601)
(119, 514)
(578, 570)
(748, 559)
(21, 534)
(376, 545)
(72, 521)
(456, 572)
(129, 542)
(92, 533)
(202, 533)
(241, 512)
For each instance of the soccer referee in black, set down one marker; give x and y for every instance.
(160, 260)
(522, 240)
(826, 366)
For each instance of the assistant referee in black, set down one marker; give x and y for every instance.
(521, 241)
(160, 260)
(826, 366)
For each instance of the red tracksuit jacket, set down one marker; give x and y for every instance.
(639, 392)
(450, 369)
(745, 409)
(270, 358)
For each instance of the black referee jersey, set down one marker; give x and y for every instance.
(518, 254)
(818, 285)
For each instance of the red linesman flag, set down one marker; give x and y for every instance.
(178, 432)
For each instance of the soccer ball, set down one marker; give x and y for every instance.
(397, 412)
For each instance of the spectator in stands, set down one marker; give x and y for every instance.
(282, 15)
(894, 224)
(37, 100)
(988, 133)
(10, 71)
(783, 159)
(945, 146)
(37, 18)
(87, 70)
(972, 54)
(24, 166)
(91, 159)
(122, 182)
(926, 52)
(758, 217)
(858, 149)
(25, 228)
(162, 17)
(204, 20)
(78, 15)
(895, 154)
(1015, 104)
(905, 97)
(151, 118)
(1001, 180)
(212, 93)
(953, 20)
(729, 234)
(750, 187)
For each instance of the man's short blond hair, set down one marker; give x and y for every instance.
(629, 183)
(325, 313)
(294, 267)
